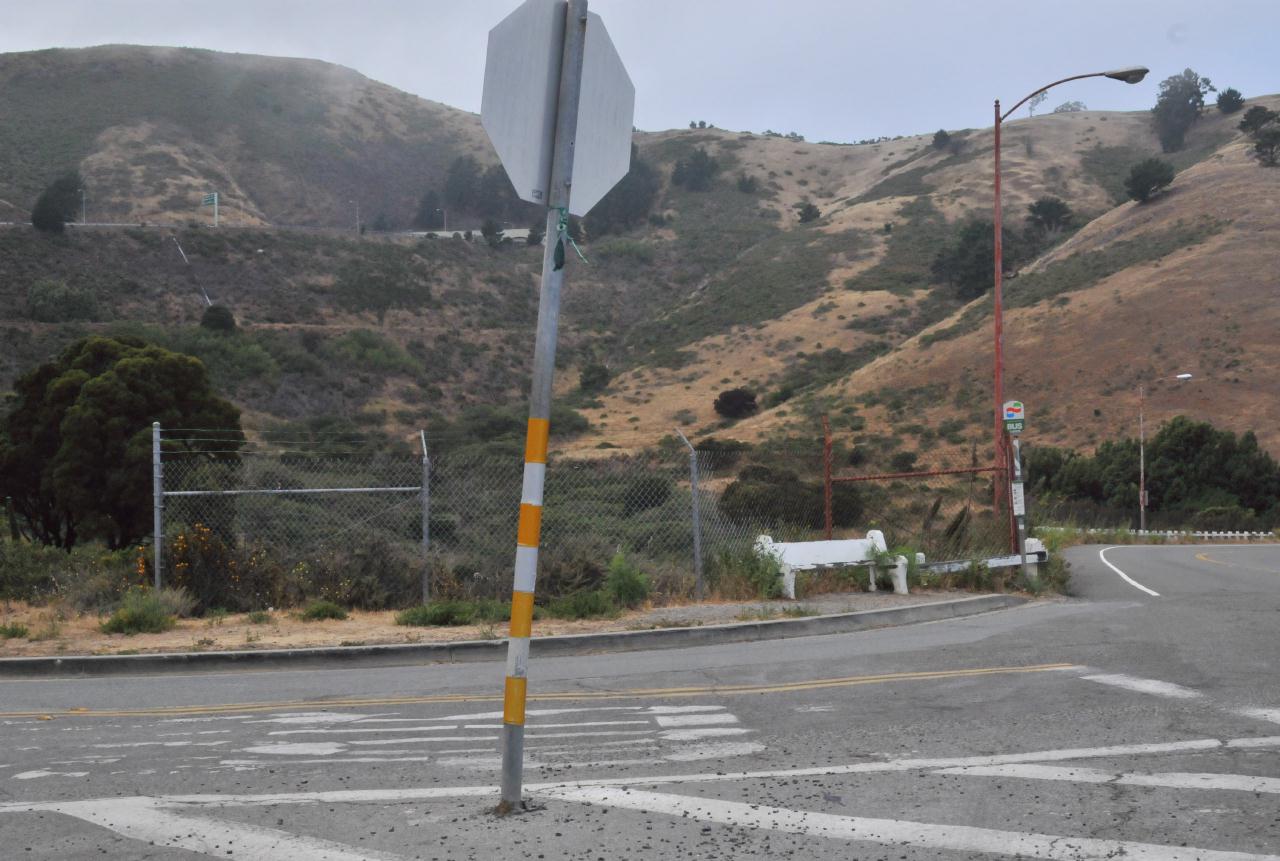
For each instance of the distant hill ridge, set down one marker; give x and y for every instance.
(714, 289)
(283, 140)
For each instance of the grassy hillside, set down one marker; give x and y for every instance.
(712, 289)
(283, 141)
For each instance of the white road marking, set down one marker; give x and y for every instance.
(32, 775)
(594, 733)
(539, 713)
(695, 720)
(432, 739)
(161, 744)
(1154, 687)
(695, 734)
(1169, 780)
(312, 717)
(1102, 554)
(1256, 741)
(715, 751)
(892, 832)
(346, 730)
(141, 819)
(298, 748)
(1272, 715)
(681, 710)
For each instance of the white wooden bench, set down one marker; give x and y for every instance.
(793, 556)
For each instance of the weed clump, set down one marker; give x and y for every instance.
(140, 612)
(443, 613)
(318, 610)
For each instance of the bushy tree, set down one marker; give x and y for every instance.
(748, 184)
(735, 403)
(697, 172)
(218, 318)
(75, 446)
(941, 139)
(808, 212)
(492, 232)
(628, 203)
(968, 263)
(1036, 101)
(430, 212)
(51, 301)
(1266, 145)
(593, 377)
(1178, 105)
(58, 203)
(1049, 214)
(1255, 118)
(1192, 467)
(1070, 107)
(1147, 178)
(1230, 100)
(462, 184)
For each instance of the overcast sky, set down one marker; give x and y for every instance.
(829, 69)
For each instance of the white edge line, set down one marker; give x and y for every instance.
(1123, 576)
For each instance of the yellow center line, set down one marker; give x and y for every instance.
(1205, 557)
(552, 696)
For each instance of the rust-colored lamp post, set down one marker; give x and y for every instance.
(1130, 75)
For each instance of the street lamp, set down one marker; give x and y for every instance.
(1130, 75)
(1142, 452)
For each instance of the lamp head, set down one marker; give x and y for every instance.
(1183, 377)
(1131, 75)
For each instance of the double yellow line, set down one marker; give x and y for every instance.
(559, 696)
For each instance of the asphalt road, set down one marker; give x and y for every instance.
(1140, 718)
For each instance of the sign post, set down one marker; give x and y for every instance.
(558, 107)
(1014, 424)
(211, 199)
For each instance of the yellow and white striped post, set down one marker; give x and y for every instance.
(529, 532)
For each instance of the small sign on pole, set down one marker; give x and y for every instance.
(1014, 417)
(211, 199)
(1019, 500)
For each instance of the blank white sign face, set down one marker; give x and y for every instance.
(521, 84)
(606, 111)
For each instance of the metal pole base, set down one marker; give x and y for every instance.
(512, 768)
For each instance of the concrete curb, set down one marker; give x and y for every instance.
(496, 650)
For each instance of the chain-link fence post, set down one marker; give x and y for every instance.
(157, 498)
(426, 519)
(700, 586)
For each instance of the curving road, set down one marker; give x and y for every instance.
(1141, 717)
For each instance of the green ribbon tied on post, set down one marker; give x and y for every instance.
(562, 236)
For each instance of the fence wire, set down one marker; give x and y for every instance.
(322, 513)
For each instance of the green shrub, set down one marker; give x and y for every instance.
(88, 577)
(176, 601)
(744, 574)
(57, 302)
(141, 612)
(14, 631)
(318, 610)
(258, 617)
(441, 613)
(645, 492)
(626, 584)
(584, 605)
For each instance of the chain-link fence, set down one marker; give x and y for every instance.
(445, 522)
(387, 528)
